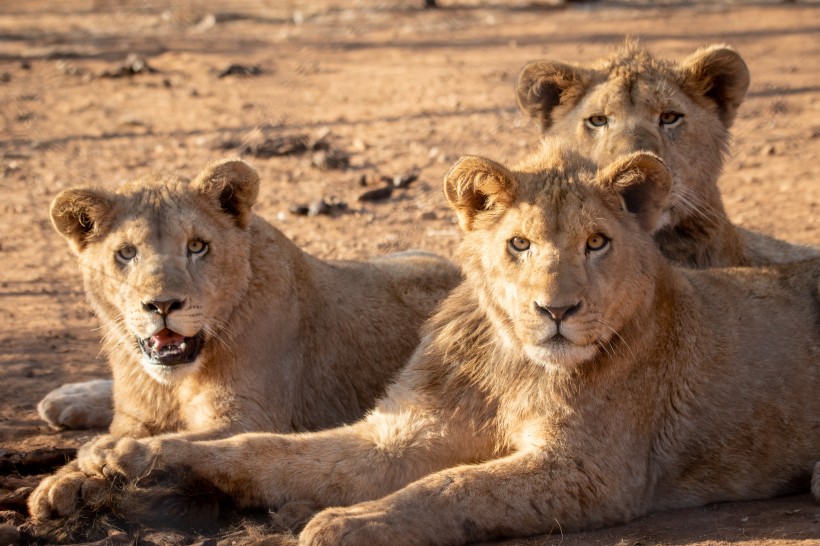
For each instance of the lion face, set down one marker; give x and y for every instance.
(632, 102)
(562, 255)
(156, 256)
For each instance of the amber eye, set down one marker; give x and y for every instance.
(126, 253)
(519, 244)
(597, 241)
(597, 121)
(670, 118)
(197, 246)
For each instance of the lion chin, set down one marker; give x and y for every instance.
(168, 356)
(559, 354)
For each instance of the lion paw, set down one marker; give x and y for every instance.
(78, 405)
(65, 492)
(366, 523)
(113, 457)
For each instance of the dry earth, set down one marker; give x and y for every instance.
(394, 90)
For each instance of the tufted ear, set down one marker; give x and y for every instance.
(643, 183)
(718, 73)
(475, 185)
(543, 85)
(81, 214)
(233, 184)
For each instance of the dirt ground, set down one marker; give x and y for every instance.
(388, 89)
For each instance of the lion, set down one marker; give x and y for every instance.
(215, 323)
(574, 379)
(682, 112)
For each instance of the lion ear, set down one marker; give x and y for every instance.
(543, 85)
(475, 185)
(643, 183)
(718, 73)
(81, 214)
(233, 184)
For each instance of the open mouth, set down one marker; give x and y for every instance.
(168, 348)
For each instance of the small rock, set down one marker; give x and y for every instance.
(403, 182)
(428, 215)
(317, 207)
(299, 210)
(278, 146)
(359, 145)
(379, 194)
(240, 70)
(132, 65)
(769, 149)
(330, 159)
(206, 23)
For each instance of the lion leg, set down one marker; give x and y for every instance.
(334, 467)
(815, 482)
(523, 494)
(79, 405)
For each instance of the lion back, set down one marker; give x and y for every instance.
(421, 279)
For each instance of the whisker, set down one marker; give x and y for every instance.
(614, 331)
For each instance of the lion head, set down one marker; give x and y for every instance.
(156, 256)
(633, 102)
(561, 253)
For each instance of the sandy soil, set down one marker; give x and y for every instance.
(397, 90)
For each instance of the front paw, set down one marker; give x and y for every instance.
(366, 523)
(65, 492)
(113, 457)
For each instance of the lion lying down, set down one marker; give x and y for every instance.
(215, 323)
(574, 378)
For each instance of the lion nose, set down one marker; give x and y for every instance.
(163, 307)
(558, 313)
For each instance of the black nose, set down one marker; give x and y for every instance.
(558, 313)
(163, 307)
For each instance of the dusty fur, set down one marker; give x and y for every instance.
(682, 112)
(287, 342)
(574, 379)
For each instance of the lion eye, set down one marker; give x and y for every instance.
(597, 121)
(519, 244)
(670, 118)
(596, 242)
(126, 253)
(197, 246)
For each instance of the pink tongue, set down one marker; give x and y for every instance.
(166, 337)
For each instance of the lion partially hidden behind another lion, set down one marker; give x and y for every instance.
(575, 379)
(215, 323)
(631, 101)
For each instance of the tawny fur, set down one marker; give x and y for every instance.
(638, 95)
(292, 343)
(666, 388)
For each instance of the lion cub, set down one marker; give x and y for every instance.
(574, 379)
(215, 323)
(682, 112)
